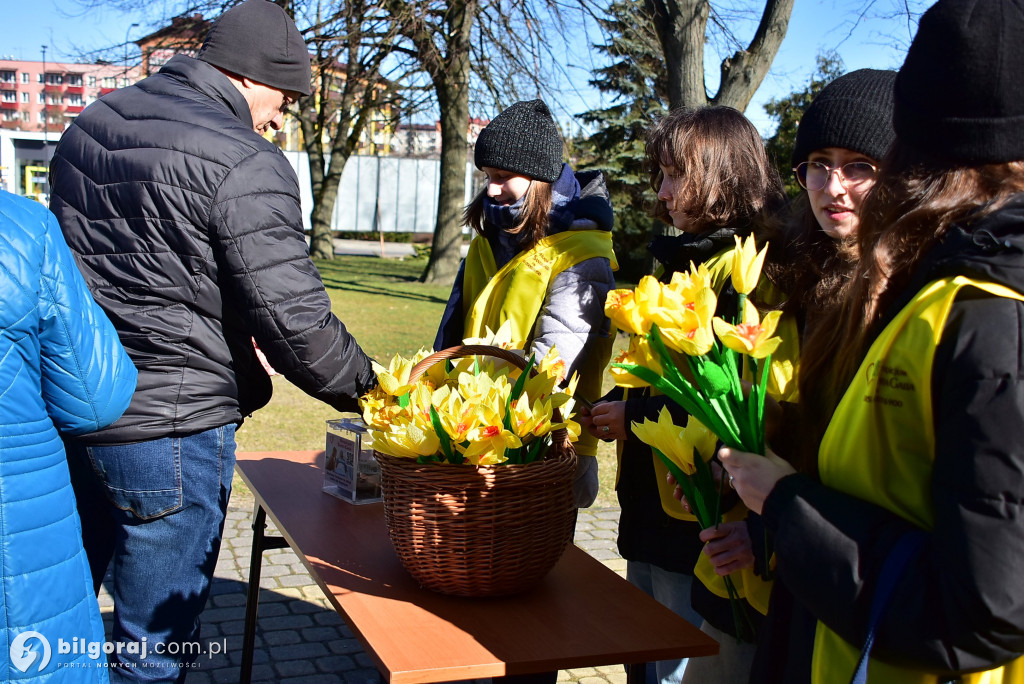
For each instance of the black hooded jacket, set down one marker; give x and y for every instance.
(187, 227)
(959, 603)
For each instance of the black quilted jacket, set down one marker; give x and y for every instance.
(187, 227)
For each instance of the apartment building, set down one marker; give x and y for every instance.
(47, 96)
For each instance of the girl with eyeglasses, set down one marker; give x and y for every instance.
(910, 537)
(840, 140)
(841, 137)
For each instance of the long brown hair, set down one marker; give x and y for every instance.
(533, 219)
(727, 178)
(911, 206)
(817, 266)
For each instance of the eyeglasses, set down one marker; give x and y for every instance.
(815, 175)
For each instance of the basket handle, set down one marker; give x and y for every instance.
(462, 350)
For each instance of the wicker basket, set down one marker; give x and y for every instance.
(480, 530)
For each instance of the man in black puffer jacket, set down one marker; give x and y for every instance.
(186, 223)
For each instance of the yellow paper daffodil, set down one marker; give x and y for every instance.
(752, 336)
(688, 283)
(552, 364)
(487, 445)
(694, 336)
(746, 264)
(405, 439)
(502, 337)
(621, 307)
(638, 353)
(531, 420)
(678, 443)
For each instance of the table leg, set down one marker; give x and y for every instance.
(260, 543)
(636, 673)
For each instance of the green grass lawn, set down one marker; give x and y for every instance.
(389, 312)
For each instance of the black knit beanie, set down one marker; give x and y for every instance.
(853, 112)
(522, 139)
(960, 92)
(259, 41)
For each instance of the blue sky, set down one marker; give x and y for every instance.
(816, 25)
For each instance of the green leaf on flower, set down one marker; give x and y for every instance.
(442, 435)
(517, 389)
(536, 449)
(713, 379)
(690, 489)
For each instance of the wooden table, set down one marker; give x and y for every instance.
(581, 615)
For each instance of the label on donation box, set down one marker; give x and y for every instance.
(350, 470)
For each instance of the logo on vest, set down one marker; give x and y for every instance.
(882, 378)
(24, 654)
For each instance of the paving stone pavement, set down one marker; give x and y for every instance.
(300, 639)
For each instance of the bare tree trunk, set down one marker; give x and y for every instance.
(681, 26)
(321, 241)
(682, 29)
(449, 72)
(445, 251)
(321, 244)
(743, 72)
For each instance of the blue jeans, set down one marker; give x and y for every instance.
(157, 509)
(672, 590)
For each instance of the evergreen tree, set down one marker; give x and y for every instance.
(788, 110)
(635, 80)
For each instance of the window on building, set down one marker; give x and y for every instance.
(24, 98)
(25, 117)
(74, 100)
(42, 98)
(109, 82)
(24, 77)
(9, 96)
(41, 117)
(40, 78)
(75, 80)
(92, 81)
(8, 76)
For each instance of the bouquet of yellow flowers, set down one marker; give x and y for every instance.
(477, 409)
(698, 360)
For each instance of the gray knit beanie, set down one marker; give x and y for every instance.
(960, 93)
(259, 41)
(522, 139)
(853, 112)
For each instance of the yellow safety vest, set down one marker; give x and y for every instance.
(888, 406)
(516, 292)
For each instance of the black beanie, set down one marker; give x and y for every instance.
(259, 41)
(853, 112)
(960, 92)
(522, 139)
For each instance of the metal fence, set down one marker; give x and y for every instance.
(387, 194)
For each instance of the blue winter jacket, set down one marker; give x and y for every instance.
(62, 369)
